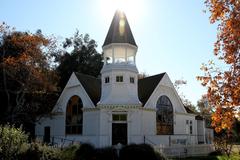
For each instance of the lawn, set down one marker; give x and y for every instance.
(234, 156)
(221, 157)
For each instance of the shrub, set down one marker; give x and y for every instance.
(139, 152)
(85, 152)
(108, 153)
(38, 151)
(69, 152)
(11, 140)
(215, 153)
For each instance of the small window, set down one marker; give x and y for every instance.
(119, 117)
(131, 79)
(186, 121)
(107, 79)
(191, 127)
(119, 78)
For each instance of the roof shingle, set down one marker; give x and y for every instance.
(119, 31)
(92, 86)
(146, 86)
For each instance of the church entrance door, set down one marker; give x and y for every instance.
(119, 133)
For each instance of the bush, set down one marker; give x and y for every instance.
(85, 152)
(38, 151)
(108, 153)
(139, 152)
(11, 141)
(69, 152)
(215, 153)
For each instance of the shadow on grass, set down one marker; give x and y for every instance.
(217, 157)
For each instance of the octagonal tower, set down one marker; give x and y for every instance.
(119, 73)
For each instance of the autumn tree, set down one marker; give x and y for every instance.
(79, 55)
(224, 83)
(25, 70)
(204, 106)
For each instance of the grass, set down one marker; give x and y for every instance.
(220, 157)
(234, 156)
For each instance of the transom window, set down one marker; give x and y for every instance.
(119, 78)
(74, 116)
(107, 79)
(164, 116)
(131, 79)
(119, 117)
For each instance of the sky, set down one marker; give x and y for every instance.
(173, 36)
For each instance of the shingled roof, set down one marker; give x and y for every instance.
(147, 85)
(189, 110)
(119, 31)
(91, 85)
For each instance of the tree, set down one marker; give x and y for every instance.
(187, 103)
(82, 57)
(25, 69)
(224, 84)
(142, 75)
(203, 106)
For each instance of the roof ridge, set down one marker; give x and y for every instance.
(153, 76)
(86, 75)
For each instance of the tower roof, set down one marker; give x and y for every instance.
(119, 31)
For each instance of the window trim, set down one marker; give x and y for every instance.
(132, 80)
(190, 127)
(119, 117)
(107, 79)
(119, 78)
(164, 125)
(70, 115)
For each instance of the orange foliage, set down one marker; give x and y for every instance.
(224, 85)
(30, 68)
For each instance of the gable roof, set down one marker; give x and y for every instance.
(119, 31)
(147, 85)
(91, 85)
(189, 110)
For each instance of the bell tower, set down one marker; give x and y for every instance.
(119, 74)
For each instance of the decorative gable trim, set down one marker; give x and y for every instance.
(72, 83)
(168, 84)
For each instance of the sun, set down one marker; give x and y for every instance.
(132, 8)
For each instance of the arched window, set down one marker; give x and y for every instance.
(74, 116)
(164, 116)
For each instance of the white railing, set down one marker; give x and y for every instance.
(185, 150)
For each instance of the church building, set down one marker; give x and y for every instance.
(119, 107)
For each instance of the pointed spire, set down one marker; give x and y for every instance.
(119, 31)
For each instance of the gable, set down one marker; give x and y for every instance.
(165, 87)
(73, 87)
(149, 88)
(147, 85)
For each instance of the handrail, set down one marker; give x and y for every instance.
(148, 140)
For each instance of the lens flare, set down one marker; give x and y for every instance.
(132, 8)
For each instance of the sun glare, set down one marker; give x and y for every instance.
(132, 8)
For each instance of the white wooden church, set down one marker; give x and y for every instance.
(119, 107)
